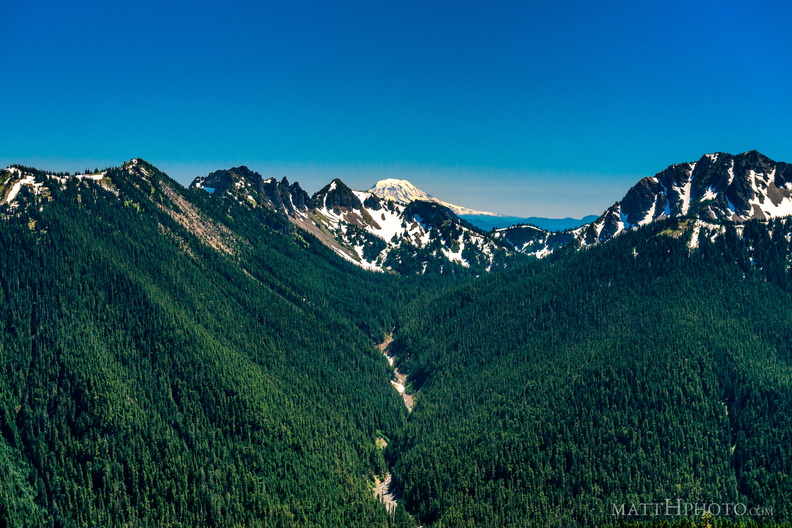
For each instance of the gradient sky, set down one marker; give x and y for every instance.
(536, 108)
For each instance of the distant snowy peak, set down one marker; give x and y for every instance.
(404, 192)
(400, 191)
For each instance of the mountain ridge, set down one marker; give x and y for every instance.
(370, 229)
(154, 335)
(717, 188)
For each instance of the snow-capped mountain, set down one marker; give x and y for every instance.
(718, 187)
(377, 230)
(404, 192)
(366, 229)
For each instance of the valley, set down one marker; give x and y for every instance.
(400, 381)
(239, 353)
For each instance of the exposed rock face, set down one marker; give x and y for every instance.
(289, 198)
(370, 231)
(718, 187)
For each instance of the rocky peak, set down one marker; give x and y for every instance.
(336, 196)
(221, 181)
(717, 187)
(431, 213)
(290, 198)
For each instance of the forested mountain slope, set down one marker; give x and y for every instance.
(632, 372)
(192, 357)
(172, 360)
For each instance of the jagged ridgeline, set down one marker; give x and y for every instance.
(370, 231)
(716, 189)
(205, 356)
(169, 359)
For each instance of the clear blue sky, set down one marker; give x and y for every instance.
(545, 108)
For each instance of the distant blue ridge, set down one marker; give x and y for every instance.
(488, 223)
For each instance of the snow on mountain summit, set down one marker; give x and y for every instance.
(400, 191)
(404, 192)
(717, 188)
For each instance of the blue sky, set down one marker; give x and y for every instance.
(543, 108)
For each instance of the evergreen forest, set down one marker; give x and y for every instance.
(174, 360)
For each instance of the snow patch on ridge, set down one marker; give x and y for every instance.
(684, 190)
